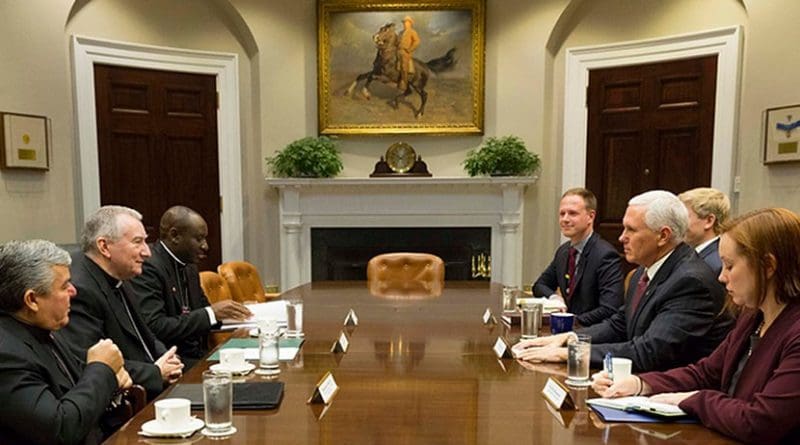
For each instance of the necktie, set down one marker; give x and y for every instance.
(62, 365)
(641, 286)
(571, 271)
(121, 293)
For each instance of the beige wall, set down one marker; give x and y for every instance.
(276, 41)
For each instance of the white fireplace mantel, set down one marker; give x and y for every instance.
(401, 202)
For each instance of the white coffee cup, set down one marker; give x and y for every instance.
(232, 358)
(621, 367)
(172, 414)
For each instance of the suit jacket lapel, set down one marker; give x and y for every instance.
(561, 268)
(581, 266)
(663, 273)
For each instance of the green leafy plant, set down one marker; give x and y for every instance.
(506, 156)
(307, 157)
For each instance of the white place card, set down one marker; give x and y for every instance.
(488, 318)
(351, 319)
(502, 349)
(557, 394)
(341, 343)
(325, 389)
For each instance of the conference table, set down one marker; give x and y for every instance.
(418, 370)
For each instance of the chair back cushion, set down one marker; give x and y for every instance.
(243, 280)
(405, 275)
(214, 286)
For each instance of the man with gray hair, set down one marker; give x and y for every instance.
(48, 395)
(673, 311)
(708, 208)
(114, 247)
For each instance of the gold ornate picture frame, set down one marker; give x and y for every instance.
(375, 77)
(26, 141)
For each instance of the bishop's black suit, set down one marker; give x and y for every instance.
(39, 403)
(163, 292)
(98, 312)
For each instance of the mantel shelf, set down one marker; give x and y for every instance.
(500, 181)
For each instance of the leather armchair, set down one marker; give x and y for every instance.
(243, 281)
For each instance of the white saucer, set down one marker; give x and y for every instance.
(578, 383)
(244, 370)
(154, 428)
(230, 432)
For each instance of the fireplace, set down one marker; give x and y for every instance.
(372, 205)
(343, 253)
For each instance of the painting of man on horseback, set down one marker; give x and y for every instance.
(423, 74)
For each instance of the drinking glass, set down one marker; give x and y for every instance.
(218, 402)
(510, 298)
(294, 318)
(579, 350)
(531, 321)
(268, 361)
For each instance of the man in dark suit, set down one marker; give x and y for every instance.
(114, 248)
(48, 395)
(708, 208)
(584, 273)
(672, 314)
(172, 301)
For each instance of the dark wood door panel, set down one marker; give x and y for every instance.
(157, 135)
(649, 126)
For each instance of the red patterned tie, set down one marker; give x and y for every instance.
(571, 272)
(641, 286)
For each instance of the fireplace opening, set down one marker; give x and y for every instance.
(343, 253)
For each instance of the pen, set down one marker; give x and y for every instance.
(609, 367)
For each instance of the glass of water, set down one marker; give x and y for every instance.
(218, 402)
(510, 298)
(531, 321)
(294, 318)
(579, 349)
(268, 353)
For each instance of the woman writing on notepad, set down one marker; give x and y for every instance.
(749, 387)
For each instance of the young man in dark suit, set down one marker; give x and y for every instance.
(114, 248)
(48, 395)
(708, 208)
(584, 273)
(672, 315)
(173, 303)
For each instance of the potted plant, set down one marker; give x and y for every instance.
(307, 157)
(505, 156)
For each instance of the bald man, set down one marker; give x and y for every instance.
(172, 302)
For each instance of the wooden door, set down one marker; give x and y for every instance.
(157, 145)
(649, 127)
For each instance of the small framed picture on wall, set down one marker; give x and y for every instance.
(782, 134)
(26, 141)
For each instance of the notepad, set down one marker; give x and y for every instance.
(248, 395)
(628, 408)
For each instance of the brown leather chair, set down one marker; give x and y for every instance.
(216, 289)
(243, 280)
(405, 275)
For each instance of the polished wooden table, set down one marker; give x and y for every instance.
(418, 371)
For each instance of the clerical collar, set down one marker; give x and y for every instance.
(172, 254)
(113, 282)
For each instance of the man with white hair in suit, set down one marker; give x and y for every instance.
(672, 314)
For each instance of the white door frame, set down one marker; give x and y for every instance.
(88, 51)
(725, 43)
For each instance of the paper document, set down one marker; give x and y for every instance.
(271, 310)
(639, 404)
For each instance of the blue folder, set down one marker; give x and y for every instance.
(612, 415)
